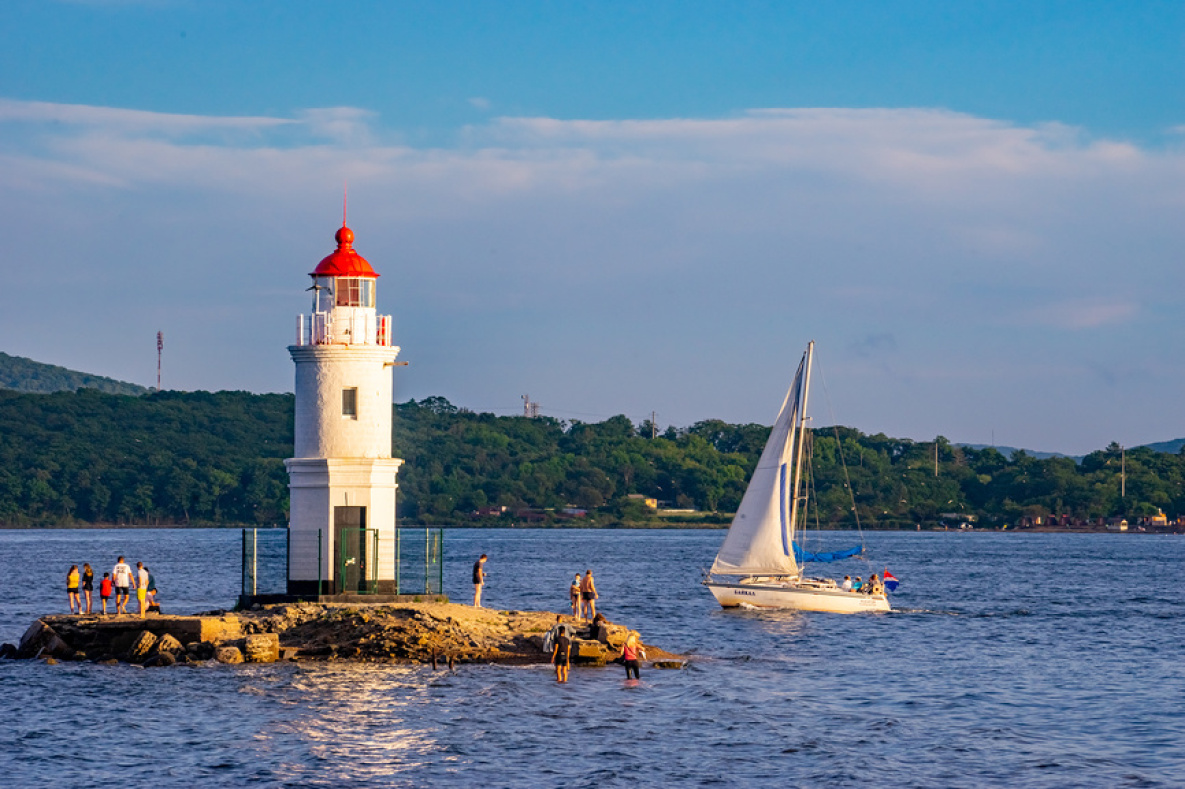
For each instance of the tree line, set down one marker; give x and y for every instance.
(201, 458)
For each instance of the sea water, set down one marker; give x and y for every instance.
(1018, 660)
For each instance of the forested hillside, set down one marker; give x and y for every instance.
(26, 375)
(217, 458)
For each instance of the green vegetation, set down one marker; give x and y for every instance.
(26, 375)
(217, 459)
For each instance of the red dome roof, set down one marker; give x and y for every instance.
(344, 262)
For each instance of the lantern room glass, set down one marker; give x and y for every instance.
(354, 292)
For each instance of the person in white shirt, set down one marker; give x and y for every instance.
(142, 588)
(121, 576)
(847, 583)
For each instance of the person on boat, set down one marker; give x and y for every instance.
(847, 583)
(856, 584)
(631, 655)
(574, 596)
(72, 590)
(561, 651)
(870, 587)
(479, 579)
(588, 593)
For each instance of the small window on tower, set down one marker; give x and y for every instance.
(350, 403)
(349, 292)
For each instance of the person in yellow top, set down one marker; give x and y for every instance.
(72, 578)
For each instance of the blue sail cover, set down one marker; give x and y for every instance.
(802, 556)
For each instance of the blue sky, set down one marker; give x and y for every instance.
(974, 208)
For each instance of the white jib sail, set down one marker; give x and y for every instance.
(759, 539)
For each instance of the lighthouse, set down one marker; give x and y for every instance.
(342, 480)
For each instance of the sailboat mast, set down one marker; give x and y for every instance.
(796, 484)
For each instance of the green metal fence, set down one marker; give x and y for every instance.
(418, 555)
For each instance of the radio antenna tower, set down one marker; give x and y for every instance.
(160, 347)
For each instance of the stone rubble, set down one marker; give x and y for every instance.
(431, 633)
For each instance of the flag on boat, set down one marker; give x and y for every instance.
(890, 581)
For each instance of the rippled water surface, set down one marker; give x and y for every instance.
(1011, 660)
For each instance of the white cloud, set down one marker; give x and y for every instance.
(672, 261)
(127, 121)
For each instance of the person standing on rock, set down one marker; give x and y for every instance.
(88, 587)
(142, 588)
(72, 590)
(121, 574)
(588, 593)
(479, 579)
(105, 591)
(574, 596)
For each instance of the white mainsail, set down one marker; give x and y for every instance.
(759, 541)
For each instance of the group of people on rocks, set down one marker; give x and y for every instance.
(119, 583)
(582, 598)
(873, 585)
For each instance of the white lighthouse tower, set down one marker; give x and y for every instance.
(342, 479)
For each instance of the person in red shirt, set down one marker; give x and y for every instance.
(105, 591)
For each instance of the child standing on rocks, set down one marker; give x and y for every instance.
(105, 591)
(574, 596)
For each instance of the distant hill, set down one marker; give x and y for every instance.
(1007, 452)
(1172, 447)
(26, 375)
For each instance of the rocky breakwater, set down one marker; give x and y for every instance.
(437, 633)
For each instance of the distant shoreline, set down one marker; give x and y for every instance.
(602, 527)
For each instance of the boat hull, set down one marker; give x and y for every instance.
(795, 595)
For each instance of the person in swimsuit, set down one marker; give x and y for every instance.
(574, 596)
(631, 655)
(588, 593)
(72, 590)
(88, 587)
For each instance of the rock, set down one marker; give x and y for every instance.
(160, 659)
(109, 662)
(168, 643)
(668, 664)
(50, 661)
(261, 648)
(141, 648)
(589, 653)
(228, 655)
(201, 650)
(7, 651)
(41, 639)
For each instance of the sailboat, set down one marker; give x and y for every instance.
(759, 563)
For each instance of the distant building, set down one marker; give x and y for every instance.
(649, 502)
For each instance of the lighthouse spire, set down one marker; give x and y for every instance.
(345, 200)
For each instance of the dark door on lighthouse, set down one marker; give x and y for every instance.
(357, 551)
